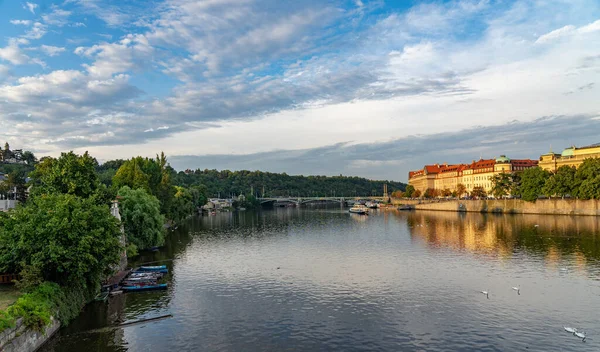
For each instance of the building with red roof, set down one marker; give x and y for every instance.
(476, 174)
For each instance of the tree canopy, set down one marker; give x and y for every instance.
(68, 239)
(501, 184)
(227, 183)
(562, 183)
(587, 179)
(69, 174)
(141, 217)
(532, 183)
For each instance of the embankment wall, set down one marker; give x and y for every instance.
(23, 339)
(517, 206)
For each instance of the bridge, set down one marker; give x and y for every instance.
(305, 200)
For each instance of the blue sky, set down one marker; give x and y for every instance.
(313, 87)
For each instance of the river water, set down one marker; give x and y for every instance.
(322, 280)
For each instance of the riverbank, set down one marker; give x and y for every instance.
(513, 206)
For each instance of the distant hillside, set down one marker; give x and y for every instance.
(241, 182)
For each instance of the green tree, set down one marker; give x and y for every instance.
(6, 153)
(562, 183)
(15, 182)
(461, 189)
(29, 158)
(587, 179)
(69, 240)
(501, 184)
(69, 174)
(398, 194)
(532, 183)
(410, 190)
(141, 217)
(182, 205)
(199, 196)
(478, 192)
(430, 193)
(152, 175)
(132, 175)
(250, 202)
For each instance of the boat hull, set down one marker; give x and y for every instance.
(144, 288)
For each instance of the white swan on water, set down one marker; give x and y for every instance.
(569, 329)
(518, 289)
(486, 293)
(581, 335)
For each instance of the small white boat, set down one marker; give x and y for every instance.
(359, 209)
(371, 205)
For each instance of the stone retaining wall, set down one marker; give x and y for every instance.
(517, 206)
(22, 339)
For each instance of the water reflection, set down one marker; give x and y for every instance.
(559, 240)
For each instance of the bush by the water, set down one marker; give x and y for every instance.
(42, 302)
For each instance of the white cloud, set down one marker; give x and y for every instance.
(113, 16)
(21, 22)
(51, 50)
(37, 31)
(557, 33)
(131, 53)
(304, 70)
(57, 16)
(592, 27)
(568, 30)
(13, 52)
(30, 7)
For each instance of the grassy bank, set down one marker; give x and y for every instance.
(45, 301)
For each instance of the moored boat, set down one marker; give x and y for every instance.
(359, 209)
(156, 269)
(406, 207)
(102, 296)
(371, 205)
(144, 287)
(152, 268)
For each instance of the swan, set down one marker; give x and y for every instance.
(486, 293)
(581, 335)
(569, 329)
(518, 289)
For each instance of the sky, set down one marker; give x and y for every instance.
(353, 87)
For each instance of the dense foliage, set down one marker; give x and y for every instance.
(225, 183)
(141, 217)
(154, 177)
(69, 174)
(532, 183)
(501, 185)
(69, 240)
(587, 179)
(43, 301)
(562, 183)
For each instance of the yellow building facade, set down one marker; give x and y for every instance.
(572, 156)
(477, 174)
